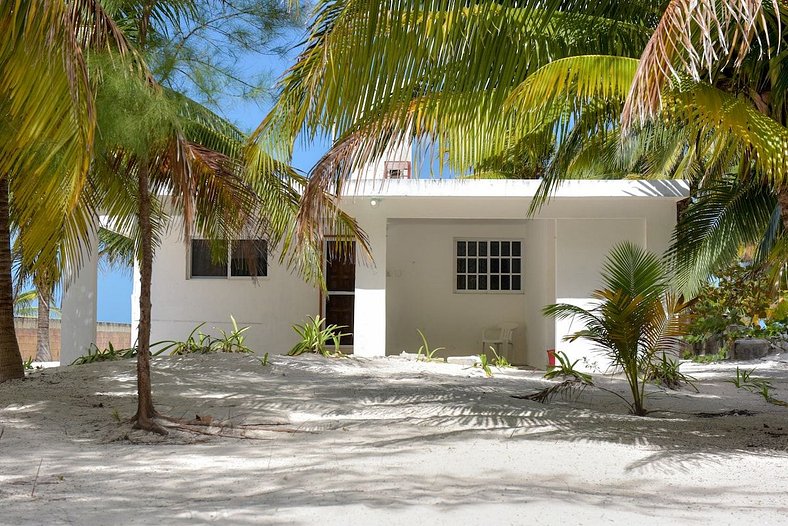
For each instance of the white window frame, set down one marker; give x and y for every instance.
(488, 240)
(228, 263)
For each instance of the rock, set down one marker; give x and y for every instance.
(780, 345)
(712, 345)
(751, 348)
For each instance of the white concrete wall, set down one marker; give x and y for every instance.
(410, 285)
(420, 288)
(582, 247)
(268, 305)
(376, 170)
(78, 312)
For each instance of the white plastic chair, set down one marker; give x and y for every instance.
(498, 337)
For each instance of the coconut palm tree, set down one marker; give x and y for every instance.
(47, 122)
(636, 317)
(680, 89)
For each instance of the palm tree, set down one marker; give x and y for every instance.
(162, 154)
(482, 81)
(636, 316)
(47, 121)
(45, 282)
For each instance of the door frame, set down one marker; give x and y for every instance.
(347, 349)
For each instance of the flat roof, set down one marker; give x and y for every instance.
(517, 188)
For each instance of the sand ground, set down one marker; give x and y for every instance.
(387, 441)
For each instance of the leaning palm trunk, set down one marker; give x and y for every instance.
(10, 358)
(43, 353)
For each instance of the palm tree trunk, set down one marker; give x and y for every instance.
(145, 410)
(42, 330)
(10, 358)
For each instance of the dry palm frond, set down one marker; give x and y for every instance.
(568, 389)
(694, 38)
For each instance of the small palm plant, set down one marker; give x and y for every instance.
(636, 316)
(316, 337)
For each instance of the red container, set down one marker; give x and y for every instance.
(551, 357)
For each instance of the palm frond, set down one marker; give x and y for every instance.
(696, 38)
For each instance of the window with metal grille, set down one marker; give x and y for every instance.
(488, 265)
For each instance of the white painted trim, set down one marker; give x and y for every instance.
(513, 188)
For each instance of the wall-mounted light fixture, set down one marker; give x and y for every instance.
(374, 202)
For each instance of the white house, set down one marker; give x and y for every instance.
(450, 257)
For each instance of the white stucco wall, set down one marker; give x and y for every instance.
(583, 244)
(420, 287)
(269, 306)
(410, 285)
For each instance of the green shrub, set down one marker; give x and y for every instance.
(425, 353)
(199, 343)
(102, 355)
(484, 364)
(566, 369)
(666, 373)
(316, 337)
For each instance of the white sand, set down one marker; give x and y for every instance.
(386, 442)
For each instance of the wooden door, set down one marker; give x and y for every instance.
(341, 287)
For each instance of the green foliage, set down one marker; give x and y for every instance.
(425, 353)
(499, 361)
(711, 358)
(744, 380)
(28, 364)
(199, 343)
(666, 373)
(484, 364)
(635, 318)
(102, 355)
(566, 369)
(264, 360)
(738, 296)
(316, 336)
(742, 377)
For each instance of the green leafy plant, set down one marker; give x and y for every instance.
(102, 355)
(425, 353)
(719, 356)
(742, 377)
(741, 296)
(666, 373)
(200, 343)
(264, 360)
(28, 364)
(484, 364)
(566, 369)
(499, 361)
(196, 342)
(636, 317)
(317, 337)
(744, 380)
(232, 341)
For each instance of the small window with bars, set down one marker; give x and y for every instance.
(488, 265)
(397, 170)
